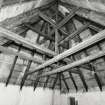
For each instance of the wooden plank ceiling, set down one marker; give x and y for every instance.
(56, 46)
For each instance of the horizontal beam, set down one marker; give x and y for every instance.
(47, 19)
(58, 26)
(67, 18)
(39, 32)
(81, 29)
(97, 29)
(26, 16)
(35, 59)
(42, 34)
(20, 55)
(91, 41)
(75, 64)
(15, 37)
(87, 14)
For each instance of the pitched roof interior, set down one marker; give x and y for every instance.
(54, 44)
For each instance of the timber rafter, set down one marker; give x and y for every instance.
(59, 30)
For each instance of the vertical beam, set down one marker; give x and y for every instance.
(81, 76)
(99, 83)
(37, 79)
(55, 81)
(95, 74)
(83, 80)
(96, 77)
(63, 78)
(56, 41)
(56, 46)
(25, 74)
(60, 85)
(70, 27)
(72, 78)
(56, 30)
(43, 24)
(45, 85)
(13, 66)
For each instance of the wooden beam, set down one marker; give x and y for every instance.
(75, 33)
(75, 85)
(29, 16)
(67, 18)
(81, 75)
(12, 67)
(55, 81)
(27, 70)
(48, 5)
(83, 80)
(85, 13)
(60, 83)
(63, 78)
(45, 85)
(56, 41)
(75, 64)
(92, 68)
(15, 37)
(37, 79)
(47, 19)
(70, 27)
(48, 37)
(55, 25)
(86, 67)
(8, 43)
(97, 29)
(99, 83)
(89, 42)
(39, 32)
(20, 55)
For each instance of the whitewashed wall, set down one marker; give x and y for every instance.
(11, 95)
(96, 5)
(90, 98)
(17, 9)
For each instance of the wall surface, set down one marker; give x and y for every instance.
(17, 9)
(96, 5)
(11, 95)
(90, 98)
